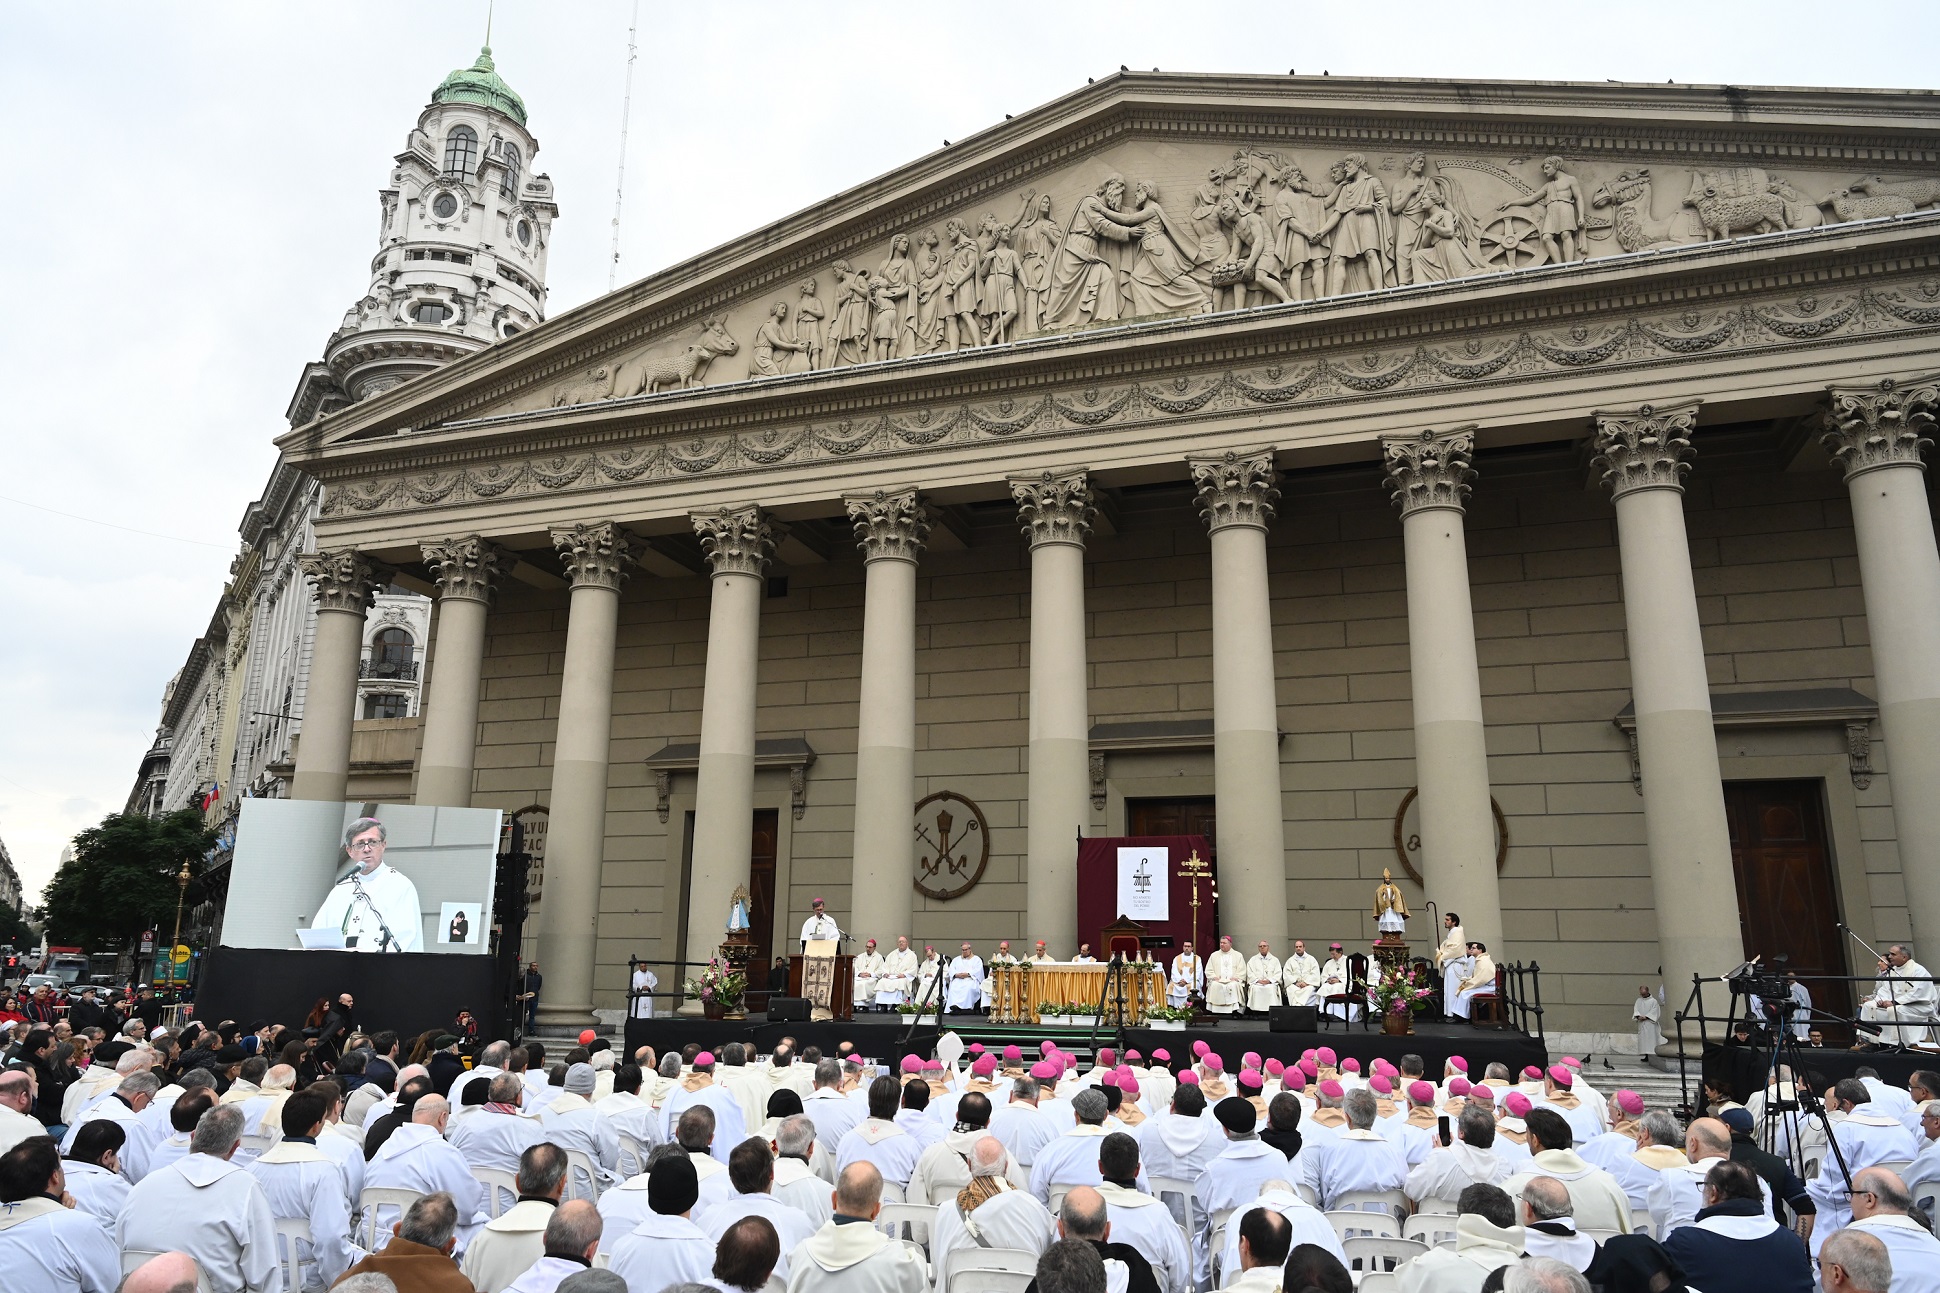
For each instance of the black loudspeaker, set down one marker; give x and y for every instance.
(1293, 1019)
(787, 1010)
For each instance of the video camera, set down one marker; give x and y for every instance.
(1773, 993)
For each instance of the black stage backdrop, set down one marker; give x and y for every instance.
(405, 991)
(1746, 1069)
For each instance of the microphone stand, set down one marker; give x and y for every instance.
(389, 940)
(1892, 993)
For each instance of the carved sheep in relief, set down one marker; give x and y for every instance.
(1851, 204)
(682, 368)
(595, 385)
(1921, 193)
(1732, 201)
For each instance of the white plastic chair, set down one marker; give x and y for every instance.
(1378, 1281)
(134, 1257)
(1057, 1193)
(1216, 1234)
(1364, 1225)
(1382, 1254)
(1307, 1192)
(1598, 1236)
(1897, 1166)
(1436, 1207)
(979, 1270)
(1436, 1229)
(633, 1156)
(917, 1216)
(251, 1148)
(374, 1199)
(1188, 1218)
(981, 1279)
(1390, 1201)
(582, 1176)
(289, 1260)
(495, 1179)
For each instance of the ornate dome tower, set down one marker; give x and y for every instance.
(461, 259)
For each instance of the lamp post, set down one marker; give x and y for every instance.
(181, 892)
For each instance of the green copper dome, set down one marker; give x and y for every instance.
(482, 85)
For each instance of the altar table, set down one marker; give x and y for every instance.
(1017, 990)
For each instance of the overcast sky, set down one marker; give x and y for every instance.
(192, 192)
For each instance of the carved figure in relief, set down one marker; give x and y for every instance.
(1255, 262)
(1801, 212)
(1441, 245)
(1561, 199)
(1636, 228)
(1734, 200)
(597, 384)
(930, 296)
(849, 328)
(770, 337)
(1084, 281)
(897, 277)
(960, 285)
(682, 368)
(1299, 208)
(1921, 193)
(1211, 246)
(809, 313)
(1361, 225)
(1850, 204)
(1161, 278)
(1036, 238)
(1000, 265)
(1409, 205)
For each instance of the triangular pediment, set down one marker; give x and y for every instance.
(1328, 187)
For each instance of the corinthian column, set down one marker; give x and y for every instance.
(1236, 494)
(890, 529)
(736, 542)
(1056, 511)
(595, 558)
(345, 583)
(1429, 475)
(467, 571)
(1877, 434)
(1643, 456)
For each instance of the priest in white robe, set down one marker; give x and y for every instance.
(1868, 1134)
(376, 906)
(897, 976)
(1225, 979)
(1310, 1225)
(301, 1181)
(879, 1140)
(665, 1247)
(1072, 1158)
(699, 1087)
(46, 1244)
(855, 1258)
(1335, 976)
(1019, 1123)
(1648, 1015)
(1139, 1219)
(1188, 978)
(640, 1004)
(498, 1134)
(1239, 1172)
(819, 925)
(988, 1209)
(751, 1170)
(928, 970)
(1262, 980)
(963, 981)
(417, 1157)
(796, 1183)
(572, 1123)
(1902, 999)
(1478, 982)
(867, 967)
(1299, 977)
(206, 1206)
(1360, 1158)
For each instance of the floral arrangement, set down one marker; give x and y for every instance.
(1401, 990)
(1170, 1014)
(1052, 1010)
(719, 984)
(908, 1008)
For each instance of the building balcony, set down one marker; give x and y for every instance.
(399, 670)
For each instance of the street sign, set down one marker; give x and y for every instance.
(180, 955)
(147, 941)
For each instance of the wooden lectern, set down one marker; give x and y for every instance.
(841, 992)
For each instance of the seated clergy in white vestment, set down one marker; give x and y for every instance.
(963, 981)
(847, 1257)
(1188, 978)
(498, 1135)
(1238, 1173)
(45, 1245)
(206, 1206)
(1903, 998)
(796, 1183)
(417, 1157)
(1487, 1238)
(1020, 1124)
(510, 1242)
(92, 1181)
(944, 1167)
(1300, 975)
(1225, 980)
(628, 1114)
(1879, 1208)
(666, 1247)
(879, 1141)
(1359, 1158)
(1336, 977)
(1470, 1160)
(828, 1106)
(571, 1241)
(1597, 1201)
(124, 1105)
(1139, 1219)
(1866, 1135)
(572, 1123)
(1478, 980)
(987, 1210)
(896, 979)
(300, 1181)
(700, 1088)
(865, 967)
(1178, 1143)
(1262, 980)
(1071, 1158)
(492, 1061)
(751, 1170)
(1310, 1225)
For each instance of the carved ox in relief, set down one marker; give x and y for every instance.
(675, 368)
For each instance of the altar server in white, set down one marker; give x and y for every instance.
(1647, 1014)
(1299, 978)
(898, 974)
(1262, 980)
(644, 982)
(416, 1157)
(1903, 999)
(301, 1181)
(1225, 979)
(206, 1206)
(1335, 974)
(45, 1244)
(375, 906)
(1188, 978)
(964, 981)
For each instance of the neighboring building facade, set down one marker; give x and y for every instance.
(1009, 475)
(9, 880)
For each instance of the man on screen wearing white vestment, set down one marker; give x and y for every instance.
(376, 905)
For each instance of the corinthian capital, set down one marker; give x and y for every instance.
(467, 569)
(1884, 424)
(1236, 488)
(595, 555)
(736, 540)
(889, 527)
(1429, 472)
(345, 580)
(1055, 506)
(1648, 449)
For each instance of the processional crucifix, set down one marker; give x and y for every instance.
(1193, 869)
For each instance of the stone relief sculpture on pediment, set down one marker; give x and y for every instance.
(1144, 231)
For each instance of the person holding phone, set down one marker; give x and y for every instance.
(1466, 1158)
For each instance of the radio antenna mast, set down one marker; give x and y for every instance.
(626, 119)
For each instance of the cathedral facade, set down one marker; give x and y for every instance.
(1518, 486)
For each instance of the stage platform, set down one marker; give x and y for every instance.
(883, 1038)
(1746, 1069)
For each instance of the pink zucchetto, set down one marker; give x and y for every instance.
(1572, 1062)
(1199, 1048)
(704, 1059)
(1251, 1079)
(1188, 1078)
(1133, 1057)
(1326, 1057)
(1531, 1073)
(932, 1066)
(1044, 1071)
(1012, 1054)
(1561, 1076)
(1380, 1085)
(1457, 1063)
(1517, 1104)
(1129, 1085)
(1107, 1057)
(1110, 1080)
(1162, 1055)
(1630, 1102)
(1124, 1074)
(976, 1048)
(1459, 1086)
(853, 1059)
(1382, 1067)
(1307, 1054)
(912, 1064)
(1295, 1080)
(1213, 1062)
(1421, 1092)
(984, 1065)
(1350, 1065)
(1250, 1060)
(1274, 1068)
(1308, 1067)
(1046, 1048)
(1332, 1089)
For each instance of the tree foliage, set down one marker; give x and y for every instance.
(122, 879)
